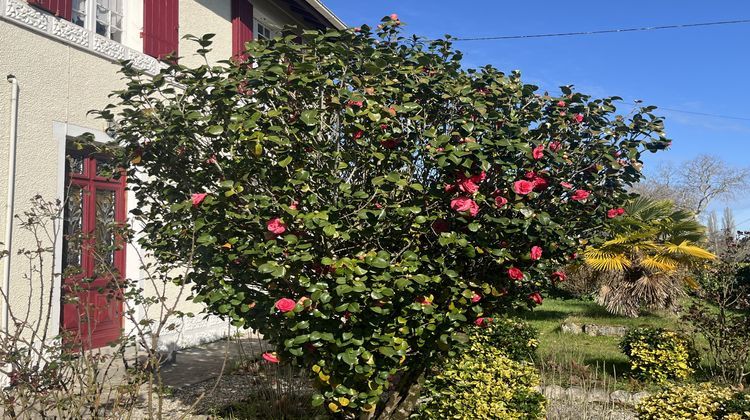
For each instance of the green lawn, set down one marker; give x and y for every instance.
(580, 359)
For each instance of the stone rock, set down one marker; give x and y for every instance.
(554, 392)
(571, 328)
(575, 393)
(606, 330)
(620, 397)
(598, 395)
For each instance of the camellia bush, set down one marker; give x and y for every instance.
(360, 198)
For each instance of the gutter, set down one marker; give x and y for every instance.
(327, 14)
(10, 200)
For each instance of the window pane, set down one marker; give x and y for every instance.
(75, 164)
(73, 226)
(105, 218)
(79, 12)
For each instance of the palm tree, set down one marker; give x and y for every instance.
(648, 259)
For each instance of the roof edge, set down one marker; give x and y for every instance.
(334, 20)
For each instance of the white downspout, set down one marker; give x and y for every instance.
(11, 199)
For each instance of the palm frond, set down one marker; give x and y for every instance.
(688, 249)
(606, 261)
(659, 263)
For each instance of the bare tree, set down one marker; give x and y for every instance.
(694, 184)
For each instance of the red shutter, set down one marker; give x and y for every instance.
(59, 8)
(242, 25)
(160, 27)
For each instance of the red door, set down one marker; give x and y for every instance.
(93, 258)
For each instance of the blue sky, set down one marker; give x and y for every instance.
(703, 70)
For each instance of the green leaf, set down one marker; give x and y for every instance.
(309, 117)
(215, 130)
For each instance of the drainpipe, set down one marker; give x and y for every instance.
(11, 198)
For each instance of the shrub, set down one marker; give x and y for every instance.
(721, 315)
(349, 195)
(703, 401)
(737, 408)
(482, 383)
(659, 355)
(514, 337)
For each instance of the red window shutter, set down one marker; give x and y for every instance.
(160, 27)
(242, 25)
(59, 8)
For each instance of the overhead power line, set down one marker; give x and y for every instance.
(606, 31)
(705, 114)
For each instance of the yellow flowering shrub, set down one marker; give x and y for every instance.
(659, 355)
(703, 401)
(482, 383)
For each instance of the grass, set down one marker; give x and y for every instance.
(575, 359)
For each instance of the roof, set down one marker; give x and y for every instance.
(327, 14)
(316, 13)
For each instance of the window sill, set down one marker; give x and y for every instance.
(20, 13)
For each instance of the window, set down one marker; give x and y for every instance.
(262, 31)
(79, 12)
(102, 16)
(109, 19)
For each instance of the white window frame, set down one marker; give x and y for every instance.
(90, 21)
(261, 20)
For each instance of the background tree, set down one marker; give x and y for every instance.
(695, 183)
(360, 198)
(645, 262)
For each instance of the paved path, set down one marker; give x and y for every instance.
(197, 364)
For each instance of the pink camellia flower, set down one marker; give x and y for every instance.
(515, 273)
(482, 322)
(476, 297)
(559, 276)
(612, 213)
(536, 297)
(394, 16)
(197, 198)
(530, 175)
(465, 205)
(467, 185)
(536, 252)
(540, 183)
(567, 185)
(270, 357)
(500, 202)
(580, 195)
(523, 187)
(538, 152)
(285, 304)
(355, 103)
(211, 160)
(293, 205)
(358, 135)
(276, 226)
(555, 146)
(440, 226)
(578, 118)
(620, 211)
(357, 29)
(561, 103)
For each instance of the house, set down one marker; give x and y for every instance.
(61, 59)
